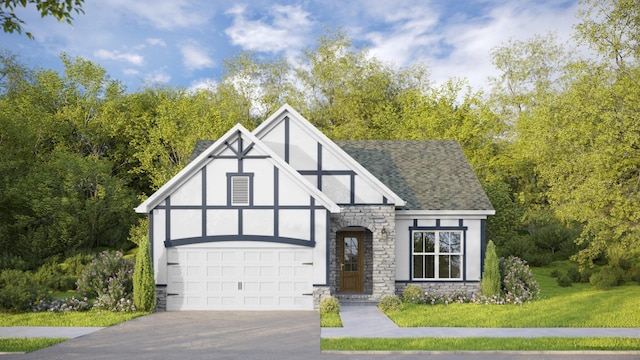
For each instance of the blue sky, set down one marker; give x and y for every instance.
(185, 42)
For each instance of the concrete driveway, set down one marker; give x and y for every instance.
(196, 335)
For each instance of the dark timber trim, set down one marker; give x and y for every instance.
(244, 238)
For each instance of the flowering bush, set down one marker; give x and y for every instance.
(518, 283)
(518, 286)
(63, 305)
(109, 278)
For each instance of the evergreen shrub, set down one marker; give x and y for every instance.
(491, 273)
(19, 290)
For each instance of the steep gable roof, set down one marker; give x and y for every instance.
(287, 112)
(427, 174)
(209, 149)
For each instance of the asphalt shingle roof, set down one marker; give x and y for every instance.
(427, 174)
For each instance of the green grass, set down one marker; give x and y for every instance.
(330, 320)
(580, 305)
(86, 318)
(26, 344)
(468, 344)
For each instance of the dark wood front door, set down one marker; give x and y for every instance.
(351, 264)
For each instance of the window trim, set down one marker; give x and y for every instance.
(463, 251)
(230, 187)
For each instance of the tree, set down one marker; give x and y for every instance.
(491, 282)
(59, 9)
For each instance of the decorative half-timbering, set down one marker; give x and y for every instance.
(281, 216)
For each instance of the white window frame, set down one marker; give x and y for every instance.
(436, 253)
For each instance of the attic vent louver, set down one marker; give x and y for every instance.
(240, 190)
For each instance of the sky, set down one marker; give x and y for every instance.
(185, 42)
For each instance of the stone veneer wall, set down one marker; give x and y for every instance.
(319, 293)
(442, 287)
(380, 221)
(161, 297)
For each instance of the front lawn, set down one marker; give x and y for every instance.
(579, 305)
(71, 318)
(27, 345)
(480, 344)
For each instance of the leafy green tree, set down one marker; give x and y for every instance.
(491, 281)
(62, 10)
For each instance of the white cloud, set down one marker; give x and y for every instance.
(195, 57)
(156, 42)
(157, 77)
(455, 44)
(165, 14)
(203, 84)
(131, 58)
(130, 72)
(287, 30)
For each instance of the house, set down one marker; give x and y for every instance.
(282, 216)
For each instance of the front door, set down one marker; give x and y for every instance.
(351, 264)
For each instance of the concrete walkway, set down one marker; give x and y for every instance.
(45, 331)
(370, 322)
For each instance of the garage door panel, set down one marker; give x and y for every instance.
(239, 278)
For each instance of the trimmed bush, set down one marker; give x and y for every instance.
(491, 273)
(390, 303)
(144, 284)
(555, 273)
(19, 290)
(413, 294)
(329, 305)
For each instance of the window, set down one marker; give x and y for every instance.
(240, 190)
(437, 254)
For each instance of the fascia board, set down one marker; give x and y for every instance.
(186, 172)
(201, 160)
(268, 124)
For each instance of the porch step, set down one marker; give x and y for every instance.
(356, 299)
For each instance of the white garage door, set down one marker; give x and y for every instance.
(239, 279)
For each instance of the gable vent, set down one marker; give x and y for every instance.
(240, 190)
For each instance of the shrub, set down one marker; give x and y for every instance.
(51, 275)
(585, 274)
(76, 264)
(491, 273)
(555, 273)
(607, 277)
(574, 274)
(519, 284)
(390, 303)
(329, 305)
(108, 278)
(564, 281)
(413, 294)
(144, 284)
(19, 290)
